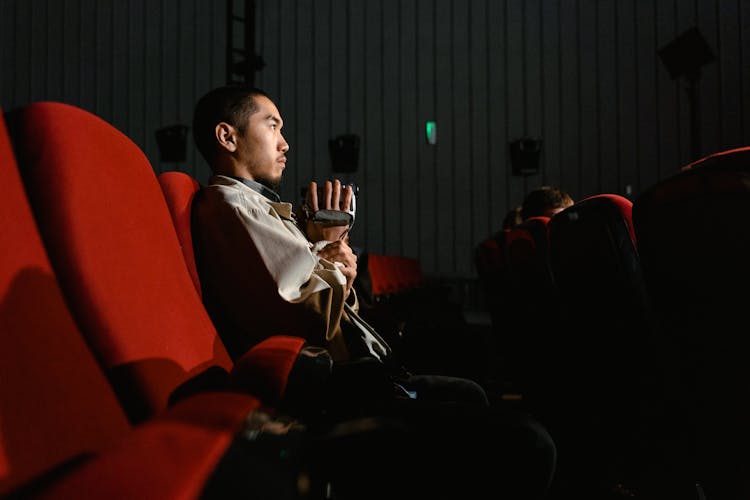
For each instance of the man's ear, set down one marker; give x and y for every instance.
(226, 135)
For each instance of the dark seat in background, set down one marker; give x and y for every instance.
(694, 241)
(608, 363)
(517, 285)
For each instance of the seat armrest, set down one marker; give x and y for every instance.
(265, 369)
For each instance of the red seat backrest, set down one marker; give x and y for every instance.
(179, 189)
(737, 159)
(112, 242)
(55, 403)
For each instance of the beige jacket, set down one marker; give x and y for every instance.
(260, 276)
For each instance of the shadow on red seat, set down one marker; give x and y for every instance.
(63, 432)
(116, 252)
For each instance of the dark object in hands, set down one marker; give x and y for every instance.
(330, 218)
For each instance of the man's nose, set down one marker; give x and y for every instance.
(284, 146)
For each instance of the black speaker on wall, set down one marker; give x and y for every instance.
(344, 150)
(524, 155)
(685, 55)
(683, 58)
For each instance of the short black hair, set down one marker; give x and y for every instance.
(232, 104)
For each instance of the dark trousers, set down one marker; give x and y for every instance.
(448, 442)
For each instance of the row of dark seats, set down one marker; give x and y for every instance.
(622, 322)
(115, 383)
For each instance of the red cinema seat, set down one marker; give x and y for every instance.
(514, 272)
(116, 252)
(737, 159)
(694, 241)
(609, 362)
(179, 189)
(63, 433)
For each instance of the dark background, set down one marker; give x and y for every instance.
(582, 76)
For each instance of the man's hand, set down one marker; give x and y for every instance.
(335, 197)
(340, 252)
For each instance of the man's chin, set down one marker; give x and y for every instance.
(273, 185)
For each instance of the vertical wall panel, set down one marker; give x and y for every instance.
(38, 50)
(134, 76)
(426, 98)
(743, 100)
(551, 131)
(709, 85)
(627, 141)
(668, 113)
(730, 109)
(299, 127)
(515, 90)
(463, 240)
(481, 219)
(392, 127)
(606, 63)
(373, 138)
(152, 79)
(446, 194)
(590, 179)
(500, 195)
(648, 167)
(408, 187)
(103, 59)
(685, 19)
(356, 116)
(54, 81)
(570, 98)
(119, 92)
(322, 86)
(71, 51)
(285, 96)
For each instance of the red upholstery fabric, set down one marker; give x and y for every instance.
(55, 403)
(737, 159)
(104, 220)
(264, 369)
(390, 274)
(179, 189)
(608, 363)
(170, 457)
(57, 409)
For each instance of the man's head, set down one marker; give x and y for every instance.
(545, 201)
(237, 129)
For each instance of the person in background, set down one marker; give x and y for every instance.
(545, 201)
(264, 270)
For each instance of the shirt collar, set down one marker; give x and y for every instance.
(259, 188)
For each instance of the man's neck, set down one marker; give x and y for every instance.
(258, 187)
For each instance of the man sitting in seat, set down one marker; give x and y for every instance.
(266, 271)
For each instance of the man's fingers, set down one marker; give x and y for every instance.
(348, 193)
(312, 196)
(327, 195)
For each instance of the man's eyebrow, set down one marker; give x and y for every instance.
(274, 119)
